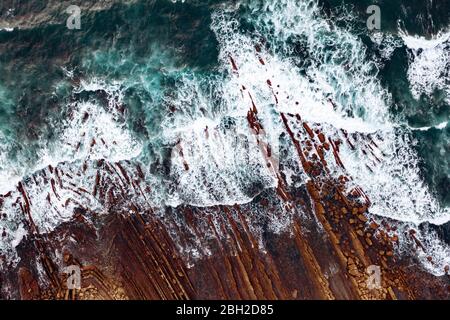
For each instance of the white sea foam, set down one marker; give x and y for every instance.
(91, 132)
(386, 43)
(439, 126)
(18, 236)
(394, 186)
(436, 249)
(433, 247)
(87, 124)
(10, 173)
(338, 90)
(418, 42)
(429, 65)
(213, 164)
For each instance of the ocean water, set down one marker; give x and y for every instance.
(160, 84)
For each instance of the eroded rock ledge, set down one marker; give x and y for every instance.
(133, 255)
(139, 252)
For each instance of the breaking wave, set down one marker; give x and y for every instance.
(429, 67)
(294, 60)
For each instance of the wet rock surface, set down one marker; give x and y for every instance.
(136, 251)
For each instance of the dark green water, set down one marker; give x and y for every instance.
(156, 51)
(158, 41)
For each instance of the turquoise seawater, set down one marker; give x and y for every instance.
(148, 45)
(160, 65)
